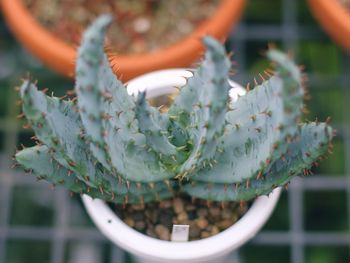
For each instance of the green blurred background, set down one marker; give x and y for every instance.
(311, 222)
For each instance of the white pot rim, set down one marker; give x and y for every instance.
(147, 247)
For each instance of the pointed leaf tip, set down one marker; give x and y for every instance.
(25, 87)
(213, 44)
(103, 21)
(141, 97)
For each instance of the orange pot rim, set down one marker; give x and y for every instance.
(334, 18)
(60, 56)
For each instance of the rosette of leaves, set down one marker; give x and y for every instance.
(112, 146)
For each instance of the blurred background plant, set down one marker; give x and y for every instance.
(312, 221)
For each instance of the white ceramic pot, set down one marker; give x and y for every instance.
(150, 250)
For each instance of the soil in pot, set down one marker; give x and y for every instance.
(156, 219)
(346, 3)
(141, 26)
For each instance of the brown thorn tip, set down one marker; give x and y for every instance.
(28, 126)
(262, 78)
(259, 176)
(70, 92)
(290, 54)
(271, 45)
(21, 115)
(248, 86)
(270, 71)
(241, 205)
(267, 74)
(247, 184)
(230, 54)
(334, 132)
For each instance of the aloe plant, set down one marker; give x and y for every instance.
(115, 147)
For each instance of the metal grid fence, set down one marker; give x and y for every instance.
(312, 220)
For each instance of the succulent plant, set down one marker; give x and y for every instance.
(110, 145)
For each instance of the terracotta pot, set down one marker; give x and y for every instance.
(334, 18)
(60, 56)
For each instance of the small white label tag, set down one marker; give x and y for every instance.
(180, 233)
